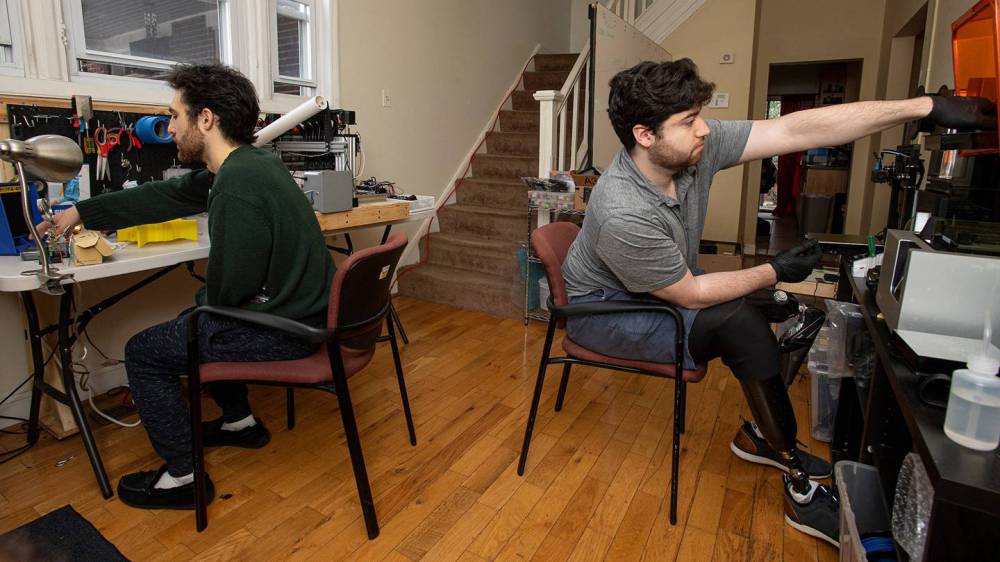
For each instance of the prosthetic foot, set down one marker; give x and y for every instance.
(809, 507)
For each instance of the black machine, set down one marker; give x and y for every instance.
(961, 197)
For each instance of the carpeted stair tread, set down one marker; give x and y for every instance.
(492, 294)
(519, 121)
(520, 144)
(484, 222)
(545, 80)
(471, 253)
(556, 61)
(500, 193)
(504, 165)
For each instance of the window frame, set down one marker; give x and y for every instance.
(15, 68)
(78, 43)
(50, 68)
(311, 59)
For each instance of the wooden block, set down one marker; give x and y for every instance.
(368, 213)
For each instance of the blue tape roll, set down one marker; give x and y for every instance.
(152, 129)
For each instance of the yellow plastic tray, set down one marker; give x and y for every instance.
(177, 229)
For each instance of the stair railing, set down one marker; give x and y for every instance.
(562, 135)
(629, 10)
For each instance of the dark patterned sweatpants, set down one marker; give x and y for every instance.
(156, 358)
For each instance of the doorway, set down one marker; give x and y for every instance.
(805, 191)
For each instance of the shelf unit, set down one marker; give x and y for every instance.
(541, 313)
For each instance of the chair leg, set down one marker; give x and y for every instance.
(675, 457)
(290, 407)
(684, 403)
(395, 319)
(562, 386)
(539, 383)
(354, 446)
(401, 381)
(197, 452)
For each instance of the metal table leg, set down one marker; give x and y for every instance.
(72, 399)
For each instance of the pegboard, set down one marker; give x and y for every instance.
(147, 163)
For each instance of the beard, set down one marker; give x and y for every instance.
(669, 157)
(191, 147)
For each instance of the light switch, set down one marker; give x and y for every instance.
(719, 100)
(386, 100)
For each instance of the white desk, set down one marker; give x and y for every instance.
(128, 259)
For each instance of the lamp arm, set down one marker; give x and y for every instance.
(43, 255)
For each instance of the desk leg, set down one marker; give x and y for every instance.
(393, 315)
(38, 364)
(69, 383)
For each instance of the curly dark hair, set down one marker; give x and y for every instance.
(224, 91)
(650, 92)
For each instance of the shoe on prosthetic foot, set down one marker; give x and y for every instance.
(750, 445)
(814, 511)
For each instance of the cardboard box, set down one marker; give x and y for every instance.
(89, 248)
(714, 263)
(583, 186)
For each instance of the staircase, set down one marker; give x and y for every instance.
(473, 260)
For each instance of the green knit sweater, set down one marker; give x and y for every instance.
(268, 253)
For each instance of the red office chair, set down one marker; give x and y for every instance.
(359, 303)
(551, 243)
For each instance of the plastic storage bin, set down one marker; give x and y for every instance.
(861, 510)
(825, 396)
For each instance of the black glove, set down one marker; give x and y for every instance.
(795, 265)
(964, 113)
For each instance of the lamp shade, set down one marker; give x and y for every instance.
(47, 157)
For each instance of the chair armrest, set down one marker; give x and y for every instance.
(614, 307)
(298, 329)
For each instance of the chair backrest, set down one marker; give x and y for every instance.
(359, 294)
(551, 243)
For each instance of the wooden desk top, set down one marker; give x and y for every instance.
(367, 214)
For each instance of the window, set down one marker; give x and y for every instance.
(294, 47)
(6, 37)
(144, 38)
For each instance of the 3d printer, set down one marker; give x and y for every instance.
(962, 191)
(937, 279)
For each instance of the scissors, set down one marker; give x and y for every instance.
(105, 141)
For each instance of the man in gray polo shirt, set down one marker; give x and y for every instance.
(640, 242)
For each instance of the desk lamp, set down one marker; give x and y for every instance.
(50, 158)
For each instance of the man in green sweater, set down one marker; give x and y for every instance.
(268, 255)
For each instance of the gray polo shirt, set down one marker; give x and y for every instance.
(635, 238)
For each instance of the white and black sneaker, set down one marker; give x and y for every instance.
(750, 445)
(815, 513)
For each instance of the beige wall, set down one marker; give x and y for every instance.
(618, 46)
(717, 27)
(446, 68)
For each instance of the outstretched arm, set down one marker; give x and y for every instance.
(829, 126)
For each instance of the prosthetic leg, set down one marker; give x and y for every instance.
(768, 398)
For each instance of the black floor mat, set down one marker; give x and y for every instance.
(58, 536)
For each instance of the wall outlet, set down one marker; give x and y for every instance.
(727, 58)
(719, 100)
(386, 100)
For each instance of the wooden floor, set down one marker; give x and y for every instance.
(595, 486)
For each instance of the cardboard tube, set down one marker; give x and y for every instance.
(284, 123)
